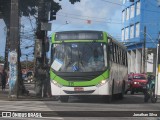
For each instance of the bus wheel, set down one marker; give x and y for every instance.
(109, 98)
(121, 95)
(64, 98)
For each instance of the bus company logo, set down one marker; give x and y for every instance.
(6, 114)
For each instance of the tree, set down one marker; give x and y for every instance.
(1, 59)
(27, 8)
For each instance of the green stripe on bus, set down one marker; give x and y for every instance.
(92, 82)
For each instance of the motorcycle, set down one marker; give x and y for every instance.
(149, 92)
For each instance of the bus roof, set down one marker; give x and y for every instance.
(78, 31)
(91, 31)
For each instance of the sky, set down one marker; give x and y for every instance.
(102, 14)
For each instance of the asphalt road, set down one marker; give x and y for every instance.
(85, 109)
(94, 110)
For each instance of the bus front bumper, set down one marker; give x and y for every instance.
(104, 89)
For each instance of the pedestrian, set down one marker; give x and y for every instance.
(40, 75)
(3, 79)
(150, 88)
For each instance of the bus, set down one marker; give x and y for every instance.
(87, 63)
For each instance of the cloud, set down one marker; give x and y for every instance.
(158, 2)
(103, 14)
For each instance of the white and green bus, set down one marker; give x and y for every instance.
(87, 63)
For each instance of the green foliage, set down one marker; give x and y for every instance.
(1, 59)
(74, 1)
(29, 64)
(29, 7)
(55, 6)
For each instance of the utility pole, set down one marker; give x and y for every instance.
(144, 51)
(14, 42)
(157, 82)
(6, 49)
(41, 35)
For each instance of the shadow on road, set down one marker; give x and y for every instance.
(128, 99)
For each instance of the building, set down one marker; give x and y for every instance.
(140, 33)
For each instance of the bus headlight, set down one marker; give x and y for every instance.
(56, 83)
(102, 83)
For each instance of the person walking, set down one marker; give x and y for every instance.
(40, 75)
(3, 79)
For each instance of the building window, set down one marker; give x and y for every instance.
(137, 29)
(132, 11)
(127, 14)
(126, 33)
(122, 34)
(138, 6)
(132, 31)
(123, 15)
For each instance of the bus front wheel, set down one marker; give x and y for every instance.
(121, 95)
(64, 98)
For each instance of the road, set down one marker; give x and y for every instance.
(91, 109)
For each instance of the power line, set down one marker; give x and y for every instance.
(65, 13)
(129, 6)
(112, 2)
(93, 20)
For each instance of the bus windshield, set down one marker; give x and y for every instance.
(79, 57)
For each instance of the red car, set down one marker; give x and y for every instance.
(136, 82)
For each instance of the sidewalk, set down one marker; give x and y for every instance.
(4, 96)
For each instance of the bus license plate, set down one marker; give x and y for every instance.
(78, 89)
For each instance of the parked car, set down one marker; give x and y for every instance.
(30, 76)
(24, 77)
(136, 82)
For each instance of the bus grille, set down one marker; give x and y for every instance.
(79, 92)
(78, 78)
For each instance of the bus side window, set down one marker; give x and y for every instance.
(126, 59)
(114, 46)
(119, 56)
(52, 53)
(111, 51)
(116, 53)
(123, 57)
